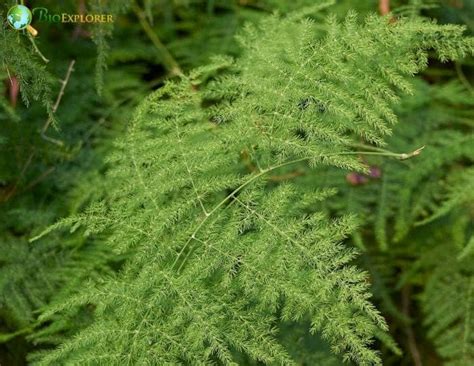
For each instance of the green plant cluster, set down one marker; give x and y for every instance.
(238, 182)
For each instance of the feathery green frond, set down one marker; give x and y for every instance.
(217, 223)
(220, 255)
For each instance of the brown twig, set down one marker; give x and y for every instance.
(8, 73)
(412, 346)
(40, 178)
(13, 86)
(13, 190)
(290, 175)
(79, 31)
(384, 7)
(244, 154)
(56, 105)
(14, 90)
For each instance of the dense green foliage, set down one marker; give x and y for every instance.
(238, 182)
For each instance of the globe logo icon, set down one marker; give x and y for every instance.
(19, 17)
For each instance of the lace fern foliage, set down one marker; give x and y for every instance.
(220, 252)
(340, 84)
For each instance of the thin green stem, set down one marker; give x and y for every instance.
(368, 147)
(402, 156)
(56, 105)
(168, 60)
(37, 50)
